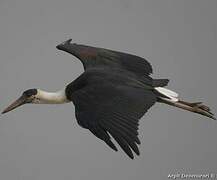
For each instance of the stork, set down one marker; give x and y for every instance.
(111, 95)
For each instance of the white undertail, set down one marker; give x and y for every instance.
(171, 95)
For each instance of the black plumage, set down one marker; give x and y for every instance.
(92, 57)
(112, 94)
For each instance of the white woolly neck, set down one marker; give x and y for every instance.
(43, 97)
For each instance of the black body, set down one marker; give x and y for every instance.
(112, 94)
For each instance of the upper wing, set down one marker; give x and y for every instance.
(93, 56)
(107, 109)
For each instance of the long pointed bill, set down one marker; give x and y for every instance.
(15, 104)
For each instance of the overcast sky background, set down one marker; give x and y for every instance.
(178, 37)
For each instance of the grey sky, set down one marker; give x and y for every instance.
(178, 37)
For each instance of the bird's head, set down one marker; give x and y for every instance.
(28, 96)
(38, 96)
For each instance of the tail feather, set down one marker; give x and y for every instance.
(160, 82)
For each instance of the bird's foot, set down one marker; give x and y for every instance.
(200, 108)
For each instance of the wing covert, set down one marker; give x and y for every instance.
(92, 57)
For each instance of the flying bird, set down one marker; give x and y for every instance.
(111, 95)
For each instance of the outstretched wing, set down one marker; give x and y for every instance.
(93, 56)
(106, 109)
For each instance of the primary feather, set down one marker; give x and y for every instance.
(113, 93)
